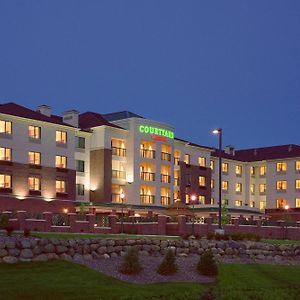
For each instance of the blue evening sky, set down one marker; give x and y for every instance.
(193, 64)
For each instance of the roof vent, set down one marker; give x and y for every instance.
(290, 148)
(45, 110)
(230, 150)
(255, 152)
(71, 117)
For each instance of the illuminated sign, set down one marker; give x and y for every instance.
(156, 132)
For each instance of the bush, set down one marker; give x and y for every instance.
(9, 229)
(168, 265)
(207, 265)
(131, 264)
(3, 221)
(26, 232)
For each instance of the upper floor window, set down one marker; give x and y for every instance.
(187, 159)
(60, 186)
(224, 185)
(212, 184)
(60, 161)
(238, 170)
(263, 171)
(202, 181)
(5, 127)
(202, 161)
(281, 185)
(5, 181)
(34, 183)
(252, 171)
(212, 165)
(80, 165)
(34, 158)
(80, 189)
(238, 187)
(201, 199)
(61, 137)
(5, 154)
(281, 167)
(297, 165)
(281, 203)
(297, 184)
(34, 132)
(297, 202)
(225, 167)
(252, 188)
(238, 203)
(262, 188)
(80, 142)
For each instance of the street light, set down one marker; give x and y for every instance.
(218, 131)
(286, 208)
(122, 196)
(193, 198)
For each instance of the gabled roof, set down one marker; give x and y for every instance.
(24, 112)
(121, 115)
(193, 144)
(264, 153)
(89, 119)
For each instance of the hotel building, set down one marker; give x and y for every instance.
(54, 163)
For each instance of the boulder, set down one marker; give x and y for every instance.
(77, 257)
(26, 253)
(37, 250)
(9, 259)
(13, 252)
(26, 243)
(106, 256)
(113, 255)
(87, 257)
(10, 244)
(3, 253)
(49, 248)
(41, 257)
(61, 249)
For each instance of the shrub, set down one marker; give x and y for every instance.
(9, 229)
(26, 232)
(131, 264)
(185, 236)
(168, 265)
(3, 221)
(207, 265)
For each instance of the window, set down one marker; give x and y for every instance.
(187, 159)
(212, 184)
(201, 199)
(281, 167)
(202, 181)
(187, 198)
(297, 165)
(202, 161)
(212, 165)
(252, 171)
(34, 183)
(60, 186)
(297, 202)
(80, 165)
(80, 189)
(262, 188)
(281, 203)
(61, 137)
(225, 202)
(5, 181)
(252, 203)
(34, 158)
(252, 188)
(238, 170)
(262, 205)
(80, 142)
(238, 187)
(5, 127)
(188, 179)
(262, 171)
(5, 154)
(297, 184)
(212, 200)
(225, 167)
(34, 132)
(238, 203)
(224, 185)
(281, 184)
(61, 162)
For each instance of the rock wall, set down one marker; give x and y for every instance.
(14, 249)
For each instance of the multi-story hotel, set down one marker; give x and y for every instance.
(54, 163)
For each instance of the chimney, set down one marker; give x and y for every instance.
(290, 148)
(230, 150)
(71, 117)
(44, 110)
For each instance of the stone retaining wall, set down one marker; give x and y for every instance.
(14, 249)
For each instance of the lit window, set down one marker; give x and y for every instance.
(252, 171)
(34, 158)
(238, 170)
(225, 167)
(224, 185)
(80, 165)
(61, 162)
(262, 188)
(187, 198)
(281, 167)
(297, 165)
(212, 200)
(202, 161)
(34, 132)
(297, 202)
(187, 159)
(5, 127)
(225, 202)
(282, 184)
(61, 137)
(252, 204)
(5, 181)
(238, 187)
(201, 199)
(212, 184)
(212, 165)
(5, 154)
(201, 181)
(80, 189)
(238, 203)
(262, 171)
(262, 205)
(34, 183)
(60, 186)
(297, 184)
(252, 188)
(281, 203)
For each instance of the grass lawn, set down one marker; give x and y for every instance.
(65, 280)
(280, 242)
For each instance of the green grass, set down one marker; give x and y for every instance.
(280, 242)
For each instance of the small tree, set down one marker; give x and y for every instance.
(207, 265)
(168, 265)
(131, 264)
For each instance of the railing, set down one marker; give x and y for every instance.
(147, 176)
(118, 174)
(102, 221)
(118, 151)
(166, 156)
(60, 220)
(146, 153)
(165, 200)
(147, 199)
(165, 178)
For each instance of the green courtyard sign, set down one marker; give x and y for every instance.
(156, 131)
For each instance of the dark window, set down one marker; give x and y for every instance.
(80, 165)
(80, 189)
(80, 142)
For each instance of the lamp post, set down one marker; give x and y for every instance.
(122, 196)
(286, 208)
(218, 131)
(193, 198)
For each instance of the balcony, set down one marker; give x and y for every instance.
(118, 151)
(166, 156)
(148, 176)
(147, 199)
(164, 200)
(146, 153)
(118, 174)
(165, 178)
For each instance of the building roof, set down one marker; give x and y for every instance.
(193, 144)
(91, 119)
(121, 115)
(264, 153)
(24, 112)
